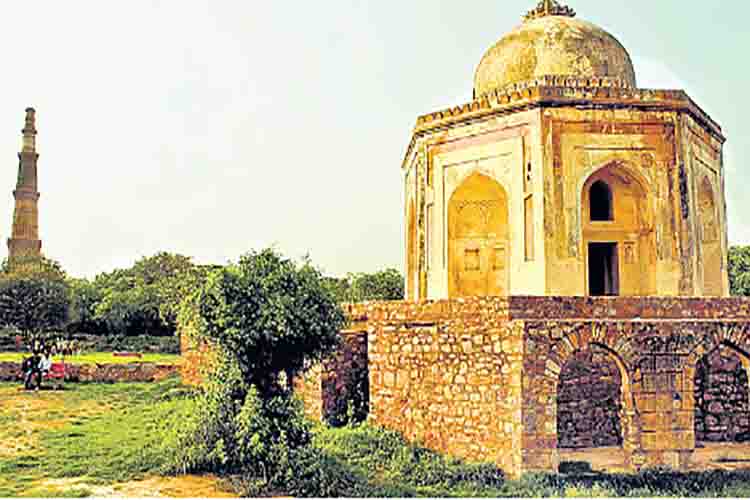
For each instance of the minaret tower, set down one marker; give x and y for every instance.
(24, 239)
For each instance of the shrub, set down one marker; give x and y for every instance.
(265, 318)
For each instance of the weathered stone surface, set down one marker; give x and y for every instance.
(722, 408)
(561, 371)
(588, 401)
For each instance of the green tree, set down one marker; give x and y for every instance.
(739, 270)
(358, 287)
(85, 297)
(269, 316)
(146, 297)
(34, 299)
(382, 285)
(266, 318)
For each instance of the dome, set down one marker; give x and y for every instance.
(551, 42)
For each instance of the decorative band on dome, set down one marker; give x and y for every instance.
(549, 8)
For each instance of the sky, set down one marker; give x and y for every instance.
(211, 128)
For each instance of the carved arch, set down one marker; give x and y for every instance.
(629, 240)
(479, 245)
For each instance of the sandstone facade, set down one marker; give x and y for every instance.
(501, 193)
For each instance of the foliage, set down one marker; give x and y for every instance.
(358, 287)
(32, 266)
(143, 298)
(84, 298)
(386, 465)
(739, 270)
(268, 316)
(121, 432)
(34, 298)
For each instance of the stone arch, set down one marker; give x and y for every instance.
(710, 241)
(542, 377)
(589, 401)
(620, 252)
(478, 238)
(721, 392)
(411, 252)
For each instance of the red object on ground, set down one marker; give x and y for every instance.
(56, 370)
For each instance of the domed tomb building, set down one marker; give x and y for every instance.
(562, 177)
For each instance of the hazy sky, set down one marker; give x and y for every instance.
(210, 128)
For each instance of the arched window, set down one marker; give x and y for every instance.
(600, 200)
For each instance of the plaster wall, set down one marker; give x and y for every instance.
(505, 150)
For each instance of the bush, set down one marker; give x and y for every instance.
(138, 343)
(265, 318)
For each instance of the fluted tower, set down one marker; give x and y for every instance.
(24, 238)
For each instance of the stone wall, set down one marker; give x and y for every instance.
(589, 401)
(106, 373)
(197, 357)
(722, 409)
(495, 379)
(447, 374)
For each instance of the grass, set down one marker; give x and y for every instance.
(381, 463)
(105, 433)
(112, 433)
(100, 358)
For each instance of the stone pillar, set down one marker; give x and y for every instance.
(664, 400)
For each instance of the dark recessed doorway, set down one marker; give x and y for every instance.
(604, 276)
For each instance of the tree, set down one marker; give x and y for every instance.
(382, 285)
(85, 297)
(34, 298)
(264, 317)
(739, 270)
(146, 297)
(269, 316)
(358, 287)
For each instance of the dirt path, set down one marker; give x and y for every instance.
(160, 487)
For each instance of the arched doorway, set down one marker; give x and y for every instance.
(589, 401)
(710, 241)
(478, 239)
(722, 401)
(592, 419)
(618, 237)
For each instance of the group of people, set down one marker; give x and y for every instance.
(35, 367)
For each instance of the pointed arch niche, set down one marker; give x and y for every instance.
(618, 237)
(478, 239)
(710, 241)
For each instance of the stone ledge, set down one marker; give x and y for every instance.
(426, 312)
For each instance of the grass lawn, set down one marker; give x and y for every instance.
(101, 358)
(109, 439)
(71, 442)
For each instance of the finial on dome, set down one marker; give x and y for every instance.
(549, 8)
